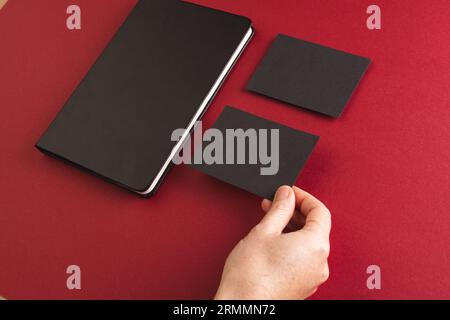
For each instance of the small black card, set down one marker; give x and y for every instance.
(308, 75)
(274, 154)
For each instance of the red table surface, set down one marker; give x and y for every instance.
(382, 168)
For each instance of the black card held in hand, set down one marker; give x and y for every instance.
(258, 155)
(308, 75)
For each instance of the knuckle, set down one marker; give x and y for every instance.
(322, 249)
(327, 212)
(325, 275)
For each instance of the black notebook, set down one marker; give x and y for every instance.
(158, 74)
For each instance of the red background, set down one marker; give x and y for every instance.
(382, 168)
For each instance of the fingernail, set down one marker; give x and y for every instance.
(283, 193)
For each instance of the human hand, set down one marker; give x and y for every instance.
(270, 264)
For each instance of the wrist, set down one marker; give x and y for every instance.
(248, 292)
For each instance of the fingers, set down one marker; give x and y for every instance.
(297, 222)
(280, 212)
(318, 218)
(266, 205)
(314, 215)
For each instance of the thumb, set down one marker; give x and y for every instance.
(281, 211)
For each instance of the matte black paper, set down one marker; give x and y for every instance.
(308, 75)
(149, 81)
(294, 149)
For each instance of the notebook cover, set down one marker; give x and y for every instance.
(150, 80)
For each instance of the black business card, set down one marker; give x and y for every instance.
(252, 153)
(308, 75)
